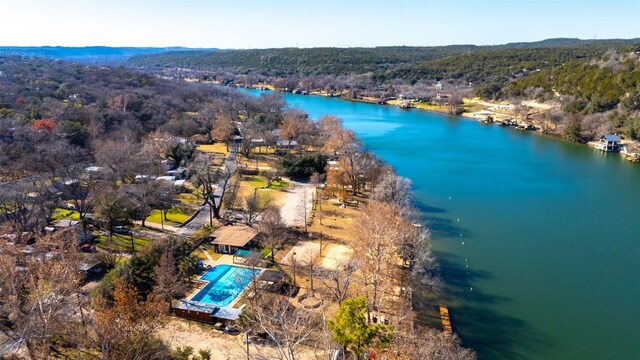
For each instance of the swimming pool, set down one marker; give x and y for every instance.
(243, 252)
(226, 282)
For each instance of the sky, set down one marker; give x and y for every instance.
(310, 23)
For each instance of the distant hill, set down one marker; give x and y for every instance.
(297, 61)
(409, 63)
(96, 55)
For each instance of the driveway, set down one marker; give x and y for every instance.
(298, 201)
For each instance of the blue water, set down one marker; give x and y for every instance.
(226, 282)
(549, 268)
(243, 253)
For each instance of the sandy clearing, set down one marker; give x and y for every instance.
(301, 253)
(334, 255)
(179, 332)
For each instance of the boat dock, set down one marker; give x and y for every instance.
(446, 321)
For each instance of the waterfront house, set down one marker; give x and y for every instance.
(609, 143)
(229, 239)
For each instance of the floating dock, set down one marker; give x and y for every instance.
(446, 321)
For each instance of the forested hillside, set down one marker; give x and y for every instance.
(301, 62)
(388, 63)
(591, 83)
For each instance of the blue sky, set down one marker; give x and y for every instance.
(310, 23)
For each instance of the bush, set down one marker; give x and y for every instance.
(573, 132)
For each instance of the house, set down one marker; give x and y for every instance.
(229, 239)
(286, 143)
(609, 143)
(179, 173)
(207, 313)
(90, 265)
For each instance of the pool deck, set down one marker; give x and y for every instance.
(225, 259)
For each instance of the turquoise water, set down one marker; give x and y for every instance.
(243, 253)
(226, 282)
(549, 268)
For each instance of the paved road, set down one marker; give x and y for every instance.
(203, 218)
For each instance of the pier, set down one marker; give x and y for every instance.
(446, 321)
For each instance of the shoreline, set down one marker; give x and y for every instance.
(482, 115)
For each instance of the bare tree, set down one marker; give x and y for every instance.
(16, 206)
(393, 189)
(309, 261)
(254, 207)
(286, 326)
(273, 230)
(214, 184)
(223, 128)
(338, 280)
(295, 125)
(36, 291)
(378, 231)
(168, 281)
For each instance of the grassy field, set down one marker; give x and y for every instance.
(262, 161)
(217, 148)
(258, 181)
(189, 199)
(249, 184)
(120, 243)
(65, 214)
(336, 221)
(175, 216)
(470, 105)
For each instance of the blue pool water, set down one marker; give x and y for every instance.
(243, 253)
(226, 282)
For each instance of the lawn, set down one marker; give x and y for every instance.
(217, 148)
(249, 184)
(337, 222)
(65, 214)
(260, 182)
(201, 256)
(189, 199)
(470, 105)
(175, 216)
(120, 242)
(429, 106)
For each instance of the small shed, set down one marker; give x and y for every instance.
(90, 264)
(229, 239)
(271, 280)
(609, 143)
(207, 313)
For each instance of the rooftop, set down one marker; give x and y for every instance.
(216, 311)
(233, 235)
(610, 137)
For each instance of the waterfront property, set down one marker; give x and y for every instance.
(609, 143)
(474, 213)
(230, 239)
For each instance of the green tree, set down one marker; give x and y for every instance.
(573, 132)
(351, 330)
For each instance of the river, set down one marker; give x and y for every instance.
(538, 239)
